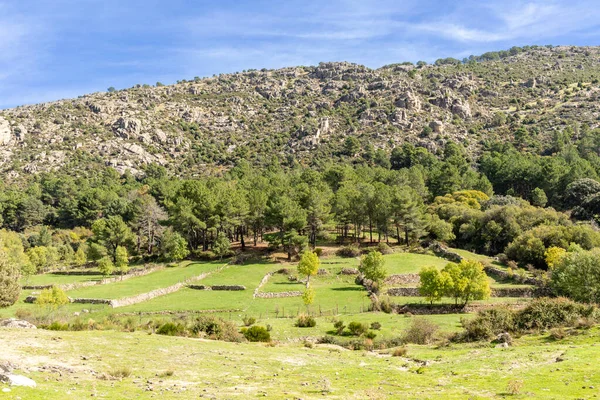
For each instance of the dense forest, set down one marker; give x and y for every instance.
(507, 201)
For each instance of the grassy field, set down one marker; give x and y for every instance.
(155, 280)
(82, 364)
(55, 279)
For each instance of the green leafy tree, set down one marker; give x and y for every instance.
(577, 275)
(122, 260)
(308, 265)
(10, 288)
(96, 251)
(538, 197)
(173, 246)
(372, 266)
(53, 297)
(308, 297)
(106, 266)
(80, 257)
(221, 246)
(112, 232)
(434, 284)
(467, 281)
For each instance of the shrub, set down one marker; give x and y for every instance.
(558, 333)
(375, 326)
(488, 323)
(318, 251)
(546, 313)
(400, 352)
(52, 297)
(348, 251)
(339, 327)
(514, 386)
(216, 328)
(306, 321)
(120, 373)
(357, 328)
(370, 335)
(383, 248)
(58, 326)
(249, 321)
(171, 329)
(421, 331)
(256, 334)
(577, 275)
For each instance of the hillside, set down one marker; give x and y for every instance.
(306, 113)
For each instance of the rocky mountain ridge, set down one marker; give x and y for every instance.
(305, 114)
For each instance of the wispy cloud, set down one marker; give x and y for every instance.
(45, 53)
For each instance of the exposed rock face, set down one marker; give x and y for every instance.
(17, 380)
(14, 323)
(301, 113)
(461, 109)
(437, 126)
(127, 127)
(4, 132)
(410, 101)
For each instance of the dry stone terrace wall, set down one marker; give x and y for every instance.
(503, 275)
(218, 287)
(275, 295)
(79, 285)
(127, 301)
(499, 292)
(433, 309)
(402, 279)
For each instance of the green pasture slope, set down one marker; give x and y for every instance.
(183, 368)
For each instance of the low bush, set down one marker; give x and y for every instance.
(57, 326)
(400, 352)
(120, 373)
(256, 334)
(357, 328)
(339, 327)
(558, 333)
(375, 326)
(488, 323)
(171, 329)
(348, 251)
(383, 248)
(539, 314)
(318, 251)
(546, 313)
(370, 335)
(306, 321)
(420, 331)
(249, 321)
(216, 329)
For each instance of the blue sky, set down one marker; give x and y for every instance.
(53, 49)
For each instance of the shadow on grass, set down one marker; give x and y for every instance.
(349, 289)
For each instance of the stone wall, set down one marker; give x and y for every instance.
(513, 292)
(404, 292)
(218, 287)
(499, 292)
(273, 295)
(442, 251)
(432, 309)
(402, 279)
(503, 275)
(262, 283)
(77, 285)
(127, 301)
(349, 271)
